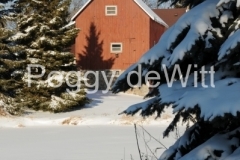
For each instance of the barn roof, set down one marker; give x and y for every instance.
(170, 16)
(80, 10)
(140, 3)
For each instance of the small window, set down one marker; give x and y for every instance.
(116, 47)
(111, 10)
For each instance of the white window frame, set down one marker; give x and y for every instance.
(116, 43)
(106, 10)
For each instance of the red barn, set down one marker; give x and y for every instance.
(170, 16)
(115, 33)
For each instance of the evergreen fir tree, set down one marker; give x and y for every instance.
(205, 36)
(12, 62)
(46, 37)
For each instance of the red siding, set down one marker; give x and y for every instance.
(130, 27)
(156, 31)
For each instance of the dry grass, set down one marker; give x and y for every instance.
(71, 121)
(129, 120)
(3, 113)
(166, 116)
(21, 126)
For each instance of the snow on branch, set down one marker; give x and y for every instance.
(235, 155)
(37, 2)
(182, 142)
(217, 147)
(211, 100)
(200, 26)
(232, 43)
(221, 2)
(140, 106)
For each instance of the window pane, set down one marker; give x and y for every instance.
(116, 45)
(111, 12)
(116, 49)
(111, 8)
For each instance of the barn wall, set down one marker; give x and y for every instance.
(156, 31)
(130, 27)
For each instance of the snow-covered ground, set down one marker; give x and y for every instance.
(103, 110)
(95, 132)
(77, 143)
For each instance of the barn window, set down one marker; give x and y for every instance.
(111, 10)
(116, 47)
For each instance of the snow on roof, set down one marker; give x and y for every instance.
(150, 12)
(140, 3)
(69, 24)
(80, 10)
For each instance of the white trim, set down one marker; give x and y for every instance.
(80, 10)
(116, 43)
(116, 10)
(69, 24)
(140, 3)
(150, 12)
